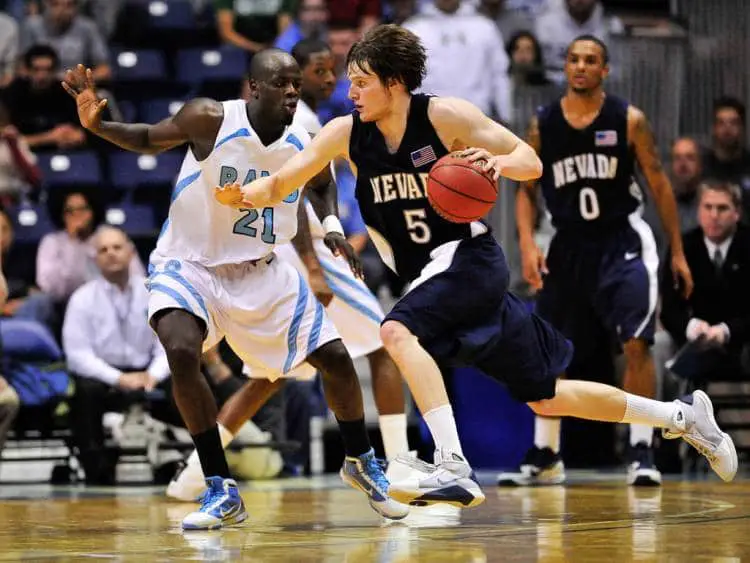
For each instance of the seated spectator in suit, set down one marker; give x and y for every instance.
(111, 351)
(39, 107)
(65, 260)
(9, 402)
(716, 317)
(24, 300)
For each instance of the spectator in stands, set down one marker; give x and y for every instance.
(356, 14)
(716, 316)
(509, 21)
(19, 173)
(728, 159)
(564, 21)
(23, 299)
(110, 350)
(686, 175)
(9, 402)
(461, 42)
(341, 37)
(65, 260)
(310, 23)
(39, 107)
(398, 11)
(74, 37)
(526, 62)
(252, 25)
(8, 49)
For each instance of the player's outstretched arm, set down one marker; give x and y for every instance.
(466, 126)
(330, 142)
(195, 116)
(642, 138)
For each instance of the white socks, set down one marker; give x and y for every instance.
(442, 426)
(393, 431)
(547, 433)
(648, 412)
(641, 433)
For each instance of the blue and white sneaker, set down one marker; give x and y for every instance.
(450, 480)
(221, 505)
(366, 474)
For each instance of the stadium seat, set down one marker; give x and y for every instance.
(74, 168)
(131, 170)
(136, 220)
(139, 65)
(197, 66)
(171, 14)
(31, 223)
(153, 111)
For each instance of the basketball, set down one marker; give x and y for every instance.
(460, 191)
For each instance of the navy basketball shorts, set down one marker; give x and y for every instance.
(602, 280)
(462, 313)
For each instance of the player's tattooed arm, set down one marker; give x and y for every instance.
(195, 120)
(644, 144)
(303, 245)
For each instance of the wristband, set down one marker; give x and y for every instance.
(331, 224)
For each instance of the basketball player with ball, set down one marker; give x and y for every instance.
(457, 306)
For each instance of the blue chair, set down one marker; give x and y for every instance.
(196, 66)
(139, 65)
(130, 170)
(171, 14)
(134, 219)
(65, 169)
(31, 223)
(153, 111)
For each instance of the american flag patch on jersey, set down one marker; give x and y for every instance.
(423, 156)
(605, 138)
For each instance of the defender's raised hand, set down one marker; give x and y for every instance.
(79, 83)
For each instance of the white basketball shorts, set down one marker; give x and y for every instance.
(265, 310)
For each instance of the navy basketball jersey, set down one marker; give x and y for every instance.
(392, 191)
(588, 173)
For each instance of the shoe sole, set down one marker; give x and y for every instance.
(355, 485)
(700, 395)
(645, 480)
(223, 524)
(455, 495)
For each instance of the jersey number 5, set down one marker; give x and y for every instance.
(588, 203)
(419, 231)
(243, 225)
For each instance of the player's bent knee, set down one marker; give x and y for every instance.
(332, 359)
(394, 335)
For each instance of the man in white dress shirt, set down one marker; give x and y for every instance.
(110, 349)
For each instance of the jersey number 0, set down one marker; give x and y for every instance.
(588, 203)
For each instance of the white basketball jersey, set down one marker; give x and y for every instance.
(306, 118)
(200, 229)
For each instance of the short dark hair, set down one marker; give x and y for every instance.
(593, 39)
(305, 48)
(732, 190)
(730, 102)
(392, 53)
(39, 51)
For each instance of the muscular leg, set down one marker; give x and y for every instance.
(425, 382)
(181, 334)
(640, 379)
(388, 389)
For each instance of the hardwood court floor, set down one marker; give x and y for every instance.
(595, 519)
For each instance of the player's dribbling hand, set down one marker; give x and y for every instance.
(338, 244)
(491, 162)
(534, 265)
(320, 287)
(231, 195)
(79, 83)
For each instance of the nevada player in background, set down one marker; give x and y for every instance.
(457, 306)
(600, 276)
(214, 274)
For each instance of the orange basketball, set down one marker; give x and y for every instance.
(461, 191)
